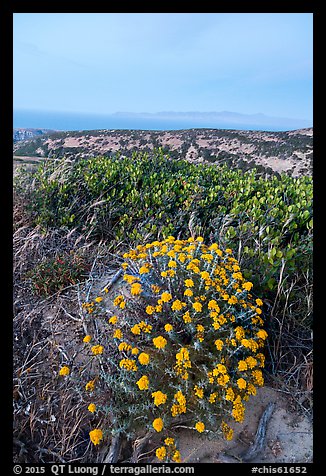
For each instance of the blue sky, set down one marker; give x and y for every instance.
(135, 62)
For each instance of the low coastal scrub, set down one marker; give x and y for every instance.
(268, 221)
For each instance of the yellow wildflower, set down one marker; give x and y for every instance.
(219, 344)
(262, 334)
(197, 306)
(212, 397)
(247, 286)
(161, 453)
(229, 394)
(96, 436)
(166, 297)
(159, 398)
(118, 300)
(200, 427)
(169, 441)
(227, 431)
(251, 389)
(97, 349)
(91, 407)
(258, 377)
(117, 334)
(159, 342)
(158, 424)
(242, 365)
(150, 310)
(87, 338)
(156, 289)
(223, 380)
(143, 383)
(143, 358)
(241, 383)
(90, 385)
(186, 317)
(135, 329)
(64, 371)
(168, 327)
(189, 283)
(128, 364)
(199, 392)
(204, 275)
(124, 347)
(143, 270)
(188, 292)
(212, 305)
(177, 305)
(136, 289)
(98, 299)
(176, 456)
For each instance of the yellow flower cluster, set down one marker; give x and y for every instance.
(124, 347)
(177, 305)
(168, 451)
(227, 431)
(180, 406)
(97, 349)
(189, 315)
(128, 364)
(143, 383)
(159, 342)
(158, 424)
(159, 398)
(90, 385)
(141, 327)
(200, 427)
(120, 302)
(64, 371)
(143, 358)
(89, 307)
(96, 436)
(182, 363)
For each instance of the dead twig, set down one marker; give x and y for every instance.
(260, 436)
(114, 451)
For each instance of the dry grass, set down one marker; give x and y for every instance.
(51, 421)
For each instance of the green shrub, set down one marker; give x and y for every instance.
(123, 200)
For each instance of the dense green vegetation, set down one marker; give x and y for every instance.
(268, 222)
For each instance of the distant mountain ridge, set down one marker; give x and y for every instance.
(290, 152)
(236, 118)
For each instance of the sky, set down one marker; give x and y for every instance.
(102, 63)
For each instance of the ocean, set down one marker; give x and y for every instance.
(64, 121)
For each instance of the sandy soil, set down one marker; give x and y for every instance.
(288, 437)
